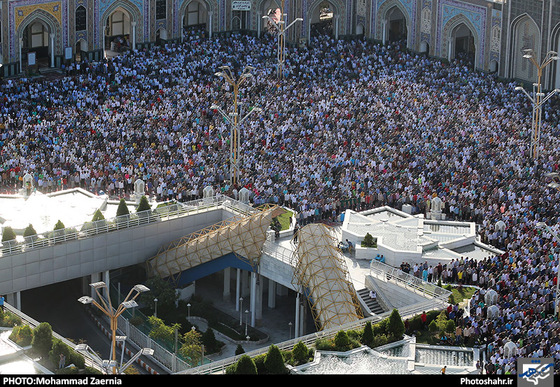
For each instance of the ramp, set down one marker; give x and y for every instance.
(243, 236)
(321, 272)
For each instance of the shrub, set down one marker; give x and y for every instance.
(22, 335)
(59, 226)
(143, 205)
(369, 241)
(29, 231)
(395, 325)
(341, 341)
(122, 209)
(274, 361)
(42, 339)
(97, 216)
(244, 366)
(367, 335)
(8, 234)
(300, 353)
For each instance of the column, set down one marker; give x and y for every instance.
(253, 298)
(226, 292)
(14, 299)
(336, 24)
(297, 319)
(133, 24)
(237, 289)
(52, 49)
(271, 294)
(384, 31)
(20, 58)
(210, 15)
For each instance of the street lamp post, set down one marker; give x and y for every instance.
(233, 118)
(538, 98)
(113, 314)
(281, 28)
(557, 239)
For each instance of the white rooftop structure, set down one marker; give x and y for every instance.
(412, 238)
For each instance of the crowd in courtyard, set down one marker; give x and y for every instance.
(351, 124)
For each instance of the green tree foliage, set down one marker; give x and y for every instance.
(300, 353)
(341, 341)
(245, 366)
(97, 216)
(239, 350)
(367, 335)
(122, 209)
(191, 348)
(22, 335)
(42, 339)
(395, 325)
(29, 231)
(165, 293)
(8, 234)
(369, 241)
(274, 361)
(160, 331)
(143, 205)
(59, 226)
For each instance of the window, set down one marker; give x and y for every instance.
(81, 19)
(161, 9)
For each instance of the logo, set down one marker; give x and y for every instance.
(535, 372)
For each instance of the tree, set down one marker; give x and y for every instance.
(395, 325)
(192, 347)
(369, 241)
(29, 231)
(8, 234)
(341, 341)
(59, 226)
(367, 336)
(165, 293)
(122, 209)
(245, 366)
(160, 331)
(300, 353)
(239, 350)
(42, 339)
(143, 205)
(209, 341)
(97, 216)
(274, 361)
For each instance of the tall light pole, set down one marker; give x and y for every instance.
(233, 118)
(281, 28)
(557, 239)
(107, 308)
(538, 98)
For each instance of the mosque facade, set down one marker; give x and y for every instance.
(491, 34)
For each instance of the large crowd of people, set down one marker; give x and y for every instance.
(351, 124)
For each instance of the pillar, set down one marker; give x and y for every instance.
(297, 319)
(237, 289)
(20, 58)
(210, 14)
(133, 24)
(253, 300)
(227, 280)
(14, 299)
(271, 294)
(52, 49)
(336, 24)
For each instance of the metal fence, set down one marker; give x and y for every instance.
(89, 229)
(388, 273)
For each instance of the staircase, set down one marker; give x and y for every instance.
(371, 303)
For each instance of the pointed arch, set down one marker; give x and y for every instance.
(207, 12)
(448, 42)
(48, 20)
(555, 46)
(383, 13)
(133, 12)
(337, 9)
(525, 34)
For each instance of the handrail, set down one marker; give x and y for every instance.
(34, 324)
(388, 273)
(89, 229)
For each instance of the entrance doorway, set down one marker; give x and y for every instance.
(36, 45)
(117, 32)
(463, 44)
(322, 20)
